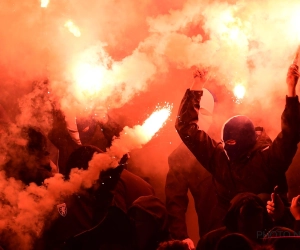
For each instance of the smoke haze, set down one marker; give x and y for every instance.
(129, 57)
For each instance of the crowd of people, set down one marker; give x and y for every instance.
(242, 177)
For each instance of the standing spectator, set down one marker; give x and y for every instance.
(186, 173)
(243, 161)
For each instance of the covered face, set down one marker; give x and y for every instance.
(239, 136)
(206, 110)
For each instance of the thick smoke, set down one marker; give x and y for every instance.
(129, 57)
(25, 208)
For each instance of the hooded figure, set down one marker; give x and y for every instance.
(99, 215)
(247, 160)
(186, 173)
(239, 136)
(247, 215)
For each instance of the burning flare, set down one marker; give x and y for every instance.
(73, 28)
(239, 91)
(129, 139)
(88, 79)
(44, 3)
(153, 124)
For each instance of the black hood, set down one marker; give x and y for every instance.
(251, 201)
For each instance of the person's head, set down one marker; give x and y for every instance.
(173, 245)
(282, 238)
(238, 136)
(206, 110)
(247, 215)
(235, 241)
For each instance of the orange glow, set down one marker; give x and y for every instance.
(88, 79)
(73, 28)
(239, 91)
(294, 26)
(44, 3)
(154, 123)
(296, 58)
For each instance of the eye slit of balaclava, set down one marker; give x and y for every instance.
(238, 136)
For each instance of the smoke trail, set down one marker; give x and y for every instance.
(25, 208)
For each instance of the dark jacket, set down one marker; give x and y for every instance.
(231, 220)
(186, 173)
(258, 170)
(87, 208)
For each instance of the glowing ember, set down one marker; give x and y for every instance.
(88, 79)
(73, 28)
(44, 3)
(239, 91)
(155, 122)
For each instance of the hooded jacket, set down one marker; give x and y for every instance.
(186, 173)
(257, 171)
(248, 200)
(85, 209)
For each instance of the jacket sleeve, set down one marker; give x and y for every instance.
(284, 147)
(198, 142)
(176, 202)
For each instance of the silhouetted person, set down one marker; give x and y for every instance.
(244, 161)
(186, 173)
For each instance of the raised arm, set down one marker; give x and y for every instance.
(284, 146)
(198, 142)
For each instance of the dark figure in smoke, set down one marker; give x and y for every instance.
(247, 215)
(120, 211)
(29, 158)
(69, 133)
(243, 161)
(185, 172)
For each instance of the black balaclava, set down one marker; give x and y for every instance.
(241, 129)
(86, 128)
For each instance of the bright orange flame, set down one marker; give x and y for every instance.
(44, 3)
(88, 79)
(239, 91)
(155, 122)
(73, 28)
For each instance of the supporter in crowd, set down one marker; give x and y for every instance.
(247, 215)
(116, 210)
(186, 173)
(69, 133)
(246, 160)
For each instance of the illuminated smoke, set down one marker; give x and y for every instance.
(130, 138)
(239, 91)
(73, 28)
(44, 3)
(296, 58)
(27, 207)
(125, 48)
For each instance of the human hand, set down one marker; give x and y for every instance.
(275, 207)
(295, 207)
(190, 243)
(200, 78)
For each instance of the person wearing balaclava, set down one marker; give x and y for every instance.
(70, 131)
(245, 160)
(186, 173)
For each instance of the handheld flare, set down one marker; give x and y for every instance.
(296, 58)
